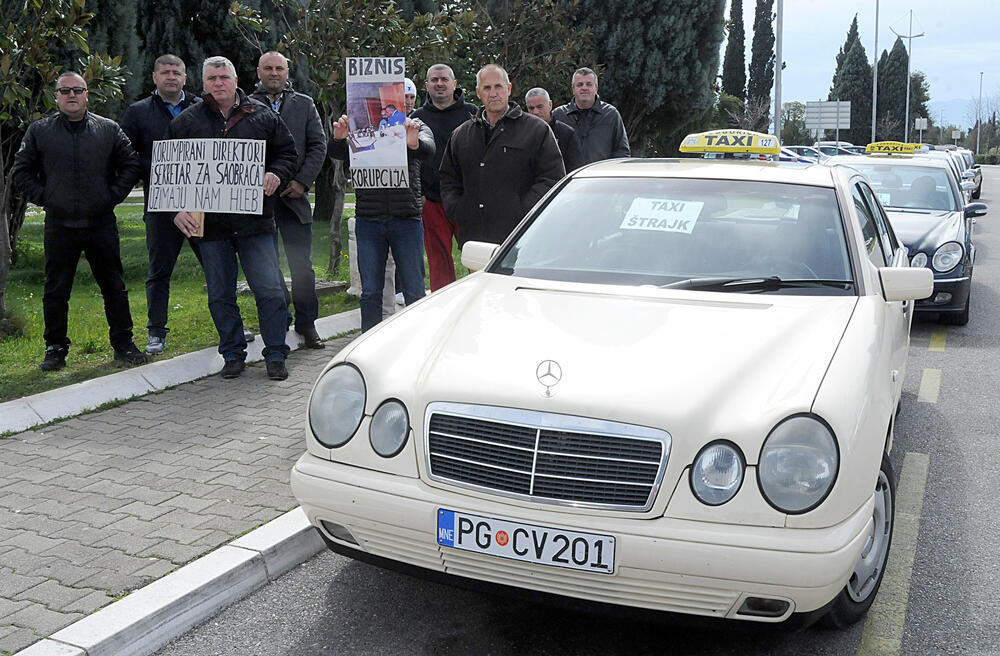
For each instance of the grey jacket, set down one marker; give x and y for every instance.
(299, 113)
(599, 129)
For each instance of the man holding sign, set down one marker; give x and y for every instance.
(226, 137)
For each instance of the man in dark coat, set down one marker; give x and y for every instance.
(292, 212)
(389, 220)
(598, 125)
(538, 103)
(146, 121)
(228, 113)
(497, 165)
(78, 166)
(444, 110)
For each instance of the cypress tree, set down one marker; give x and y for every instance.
(761, 73)
(854, 84)
(734, 75)
(852, 37)
(892, 92)
(114, 30)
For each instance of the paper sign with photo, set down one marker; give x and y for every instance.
(376, 113)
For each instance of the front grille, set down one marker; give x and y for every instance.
(527, 454)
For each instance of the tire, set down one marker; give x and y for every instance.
(857, 596)
(958, 318)
(978, 192)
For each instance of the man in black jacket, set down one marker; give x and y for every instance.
(497, 165)
(228, 113)
(444, 111)
(538, 103)
(78, 166)
(389, 220)
(598, 125)
(144, 122)
(292, 212)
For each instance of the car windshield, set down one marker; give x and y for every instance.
(917, 187)
(720, 234)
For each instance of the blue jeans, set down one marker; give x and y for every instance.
(297, 237)
(164, 241)
(405, 238)
(260, 265)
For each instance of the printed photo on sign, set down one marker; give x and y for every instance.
(663, 215)
(223, 176)
(376, 116)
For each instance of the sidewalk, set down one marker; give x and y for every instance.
(102, 504)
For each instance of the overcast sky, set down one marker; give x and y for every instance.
(961, 38)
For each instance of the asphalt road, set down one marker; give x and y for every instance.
(940, 595)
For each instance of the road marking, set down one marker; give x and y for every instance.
(883, 632)
(939, 336)
(930, 386)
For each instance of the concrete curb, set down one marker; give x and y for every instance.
(21, 414)
(149, 618)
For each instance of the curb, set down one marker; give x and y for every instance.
(24, 413)
(149, 618)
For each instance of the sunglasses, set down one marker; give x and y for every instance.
(68, 90)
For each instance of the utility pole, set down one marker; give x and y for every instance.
(979, 112)
(875, 76)
(909, 58)
(777, 77)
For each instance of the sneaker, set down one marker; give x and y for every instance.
(311, 338)
(55, 358)
(276, 370)
(155, 345)
(130, 354)
(248, 334)
(233, 368)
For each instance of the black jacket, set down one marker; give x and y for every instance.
(298, 111)
(77, 170)
(248, 119)
(569, 145)
(442, 123)
(146, 121)
(390, 203)
(600, 129)
(487, 188)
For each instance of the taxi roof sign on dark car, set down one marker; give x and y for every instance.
(731, 141)
(895, 148)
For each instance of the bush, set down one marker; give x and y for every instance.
(988, 158)
(11, 327)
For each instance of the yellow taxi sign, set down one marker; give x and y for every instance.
(731, 141)
(893, 147)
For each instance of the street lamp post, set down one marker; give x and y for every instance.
(875, 76)
(909, 57)
(979, 112)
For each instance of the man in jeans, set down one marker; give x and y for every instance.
(78, 166)
(228, 113)
(389, 220)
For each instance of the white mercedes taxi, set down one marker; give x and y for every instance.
(673, 388)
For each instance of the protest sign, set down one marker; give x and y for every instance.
(375, 112)
(224, 176)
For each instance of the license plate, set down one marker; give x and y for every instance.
(589, 552)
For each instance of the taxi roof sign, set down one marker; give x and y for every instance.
(894, 147)
(731, 141)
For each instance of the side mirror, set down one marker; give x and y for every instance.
(968, 185)
(975, 166)
(973, 210)
(968, 175)
(477, 254)
(906, 283)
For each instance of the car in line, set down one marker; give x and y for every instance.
(925, 205)
(673, 387)
(807, 151)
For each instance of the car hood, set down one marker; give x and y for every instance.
(672, 359)
(925, 230)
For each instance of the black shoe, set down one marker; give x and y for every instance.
(129, 354)
(55, 358)
(276, 370)
(311, 338)
(233, 368)
(248, 334)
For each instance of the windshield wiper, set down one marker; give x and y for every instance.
(761, 284)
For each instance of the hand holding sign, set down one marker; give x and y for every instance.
(412, 132)
(341, 128)
(188, 224)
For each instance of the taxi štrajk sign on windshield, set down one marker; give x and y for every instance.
(731, 141)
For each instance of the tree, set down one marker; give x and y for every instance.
(38, 30)
(793, 124)
(919, 97)
(761, 73)
(892, 91)
(658, 64)
(114, 29)
(854, 84)
(852, 37)
(734, 75)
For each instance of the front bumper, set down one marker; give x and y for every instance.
(662, 564)
(957, 288)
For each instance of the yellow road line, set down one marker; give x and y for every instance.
(939, 335)
(883, 632)
(930, 386)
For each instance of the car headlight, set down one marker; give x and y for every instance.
(919, 260)
(389, 428)
(337, 405)
(798, 464)
(717, 473)
(947, 256)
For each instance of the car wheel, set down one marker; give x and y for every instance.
(978, 192)
(857, 596)
(958, 318)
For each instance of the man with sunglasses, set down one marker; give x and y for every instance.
(78, 166)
